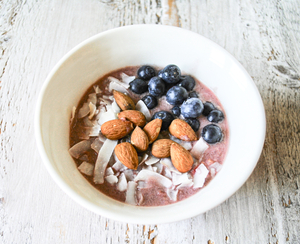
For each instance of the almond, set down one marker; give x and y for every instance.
(123, 101)
(161, 148)
(127, 155)
(134, 116)
(139, 139)
(116, 129)
(152, 129)
(182, 130)
(181, 158)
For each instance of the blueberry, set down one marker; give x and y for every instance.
(215, 116)
(171, 74)
(193, 94)
(150, 101)
(156, 86)
(176, 111)
(194, 123)
(212, 133)
(138, 86)
(176, 95)
(146, 72)
(188, 82)
(192, 108)
(166, 117)
(159, 74)
(208, 106)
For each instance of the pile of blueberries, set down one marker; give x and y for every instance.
(179, 92)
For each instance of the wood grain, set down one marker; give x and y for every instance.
(263, 35)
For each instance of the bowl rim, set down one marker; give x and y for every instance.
(110, 214)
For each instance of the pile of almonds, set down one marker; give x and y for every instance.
(143, 134)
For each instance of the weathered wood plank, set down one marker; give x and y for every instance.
(263, 35)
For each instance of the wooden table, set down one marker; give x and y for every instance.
(263, 35)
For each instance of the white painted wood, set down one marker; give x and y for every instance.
(263, 35)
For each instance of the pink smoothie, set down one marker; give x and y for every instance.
(125, 185)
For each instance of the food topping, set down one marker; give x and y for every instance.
(126, 142)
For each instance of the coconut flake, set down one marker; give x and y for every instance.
(106, 97)
(83, 111)
(92, 110)
(89, 123)
(130, 194)
(167, 173)
(118, 166)
(96, 145)
(200, 175)
(141, 106)
(142, 184)
(116, 109)
(158, 178)
(122, 183)
(80, 148)
(187, 145)
(117, 87)
(102, 160)
(84, 157)
(127, 79)
(212, 172)
(113, 79)
(151, 160)
(172, 194)
(143, 159)
(147, 167)
(181, 179)
(199, 148)
(159, 167)
(140, 198)
(73, 112)
(217, 166)
(115, 84)
(84, 133)
(129, 174)
(86, 168)
(168, 163)
(106, 116)
(92, 98)
(184, 185)
(101, 137)
(93, 131)
(109, 171)
(173, 138)
(104, 102)
(111, 179)
(97, 89)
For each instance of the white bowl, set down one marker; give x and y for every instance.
(157, 45)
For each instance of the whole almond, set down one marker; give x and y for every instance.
(127, 155)
(181, 158)
(161, 148)
(139, 139)
(152, 129)
(116, 129)
(182, 130)
(123, 101)
(134, 116)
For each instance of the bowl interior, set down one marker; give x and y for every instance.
(156, 45)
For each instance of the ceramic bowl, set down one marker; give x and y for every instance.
(159, 45)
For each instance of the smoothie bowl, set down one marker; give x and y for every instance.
(140, 122)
